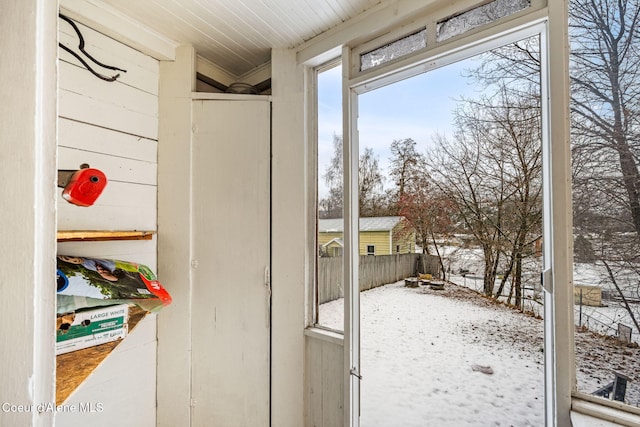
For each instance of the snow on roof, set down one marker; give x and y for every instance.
(377, 223)
(336, 240)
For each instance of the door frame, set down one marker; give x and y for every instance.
(557, 337)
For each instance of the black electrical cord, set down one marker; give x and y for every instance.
(82, 61)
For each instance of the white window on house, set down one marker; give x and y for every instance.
(604, 217)
(478, 16)
(394, 50)
(432, 183)
(606, 204)
(328, 311)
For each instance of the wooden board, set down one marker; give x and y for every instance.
(112, 105)
(73, 368)
(116, 94)
(124, 383)
(121, 206)
(98, 236)
(142, 70)
(98, 112)
(118, 169)
(89, 138)
(324, 366)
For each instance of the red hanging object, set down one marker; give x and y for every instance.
(83, 186)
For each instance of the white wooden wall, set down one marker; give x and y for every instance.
(324, 367)
(113, 127)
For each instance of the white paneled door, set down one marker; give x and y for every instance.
(231, 258)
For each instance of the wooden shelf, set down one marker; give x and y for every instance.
(73, 368)
(97, 235)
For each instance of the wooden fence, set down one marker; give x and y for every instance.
(374, 271)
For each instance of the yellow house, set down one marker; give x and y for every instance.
(383, 235)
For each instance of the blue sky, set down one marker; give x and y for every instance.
(415, 108)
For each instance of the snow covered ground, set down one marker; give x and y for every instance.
(454, 358)
(603, 319)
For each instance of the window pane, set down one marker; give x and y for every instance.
(477, 17)
(394, 50)
(450, 173)
(329, 290)
(605, 126)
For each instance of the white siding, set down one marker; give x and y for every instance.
(324, 365)
(113, 126)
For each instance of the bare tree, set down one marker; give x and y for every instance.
(517, 117)
(605, 78)
(605, 107)
(371, 198)
(492, 172)
(406, 164)
(461, 173)
(430, 214)
(332, 205)
(605, 103)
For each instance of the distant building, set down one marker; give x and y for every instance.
(383, 235)
(590, 295)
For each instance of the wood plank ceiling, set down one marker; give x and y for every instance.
(237, 35)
